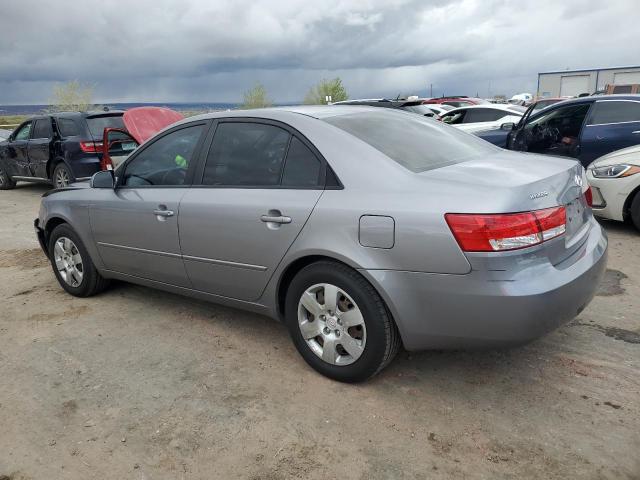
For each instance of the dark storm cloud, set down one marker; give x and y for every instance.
(213, 50)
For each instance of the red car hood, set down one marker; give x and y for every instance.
(143, 123)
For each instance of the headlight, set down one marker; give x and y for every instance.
(615, 171)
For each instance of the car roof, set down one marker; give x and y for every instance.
(495, 106)
(280, 113)
(599, 98)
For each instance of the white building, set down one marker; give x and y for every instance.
(570, 83)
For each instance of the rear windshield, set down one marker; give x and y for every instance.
(98, 124)
(415, 142)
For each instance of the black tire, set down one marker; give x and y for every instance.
(382, 336)
(92, 282)
(635, 210)
(60, 173)
(6, 182)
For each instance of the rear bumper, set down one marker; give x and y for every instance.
(476, 310)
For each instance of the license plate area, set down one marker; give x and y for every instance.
(576, 217)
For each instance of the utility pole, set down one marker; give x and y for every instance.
(431, 90)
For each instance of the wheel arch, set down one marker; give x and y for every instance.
(626, 209)
(51, 224)
(51, 165)
(290, 271)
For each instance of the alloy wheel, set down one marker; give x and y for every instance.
(62, 178)
(68, 261)
(332, 324)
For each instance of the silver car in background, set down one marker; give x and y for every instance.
(363, 229)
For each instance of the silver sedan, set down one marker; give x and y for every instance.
(362, 229)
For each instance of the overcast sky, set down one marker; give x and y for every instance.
(213, 50)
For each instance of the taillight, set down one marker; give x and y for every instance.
(91, 147)
(506, 231)
(588, 196)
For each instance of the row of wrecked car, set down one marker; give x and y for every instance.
(601, 132)
(61, 148)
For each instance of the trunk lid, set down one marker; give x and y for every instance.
(509, 182)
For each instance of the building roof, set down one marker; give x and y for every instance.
(589, 70)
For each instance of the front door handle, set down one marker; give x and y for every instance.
(275, 219)
(635, 132)
(162, 212)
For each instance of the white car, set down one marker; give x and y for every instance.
(615, 185)
(429, 109)
(476, 118)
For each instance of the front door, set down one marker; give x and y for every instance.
(17, 161)
(135, 226)
(555, 131)
(39, 147)
(259, 186)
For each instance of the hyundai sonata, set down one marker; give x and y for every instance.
(363, 229)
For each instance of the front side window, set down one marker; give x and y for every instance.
(42, 129)
(165, 161)
(246, 154)
(566, 120)
(415, 142)
(454, 118)
(23, 133)
(615, 111)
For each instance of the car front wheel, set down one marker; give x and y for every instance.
(72, 265)
(339, 323)
(6, 182)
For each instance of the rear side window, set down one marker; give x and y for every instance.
(615, 112)
(302, 167)
(246, 154)
(42, 129)
(484, 115)
(67, 127)
(413, 141)
(98, 124)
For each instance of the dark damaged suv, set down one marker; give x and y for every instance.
(56, 148)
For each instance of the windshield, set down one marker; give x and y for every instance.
(98, 124)
(415, 142)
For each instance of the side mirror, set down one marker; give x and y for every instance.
(103, 179)
(508, 126)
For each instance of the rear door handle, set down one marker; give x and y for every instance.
(636, 132)
(275, 219)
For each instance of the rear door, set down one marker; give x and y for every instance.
(39, 147)
(260, 182)
(135, 226)
(17, 158)
(611, 125)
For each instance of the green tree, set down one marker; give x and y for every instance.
(317, 95)
(256, 98)
(72, 96)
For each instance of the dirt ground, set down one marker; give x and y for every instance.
(141, 384)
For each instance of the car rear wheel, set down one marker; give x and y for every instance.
(635, 210)
(6, 182)
(339, 323)
(72, 265)
(62, 176)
